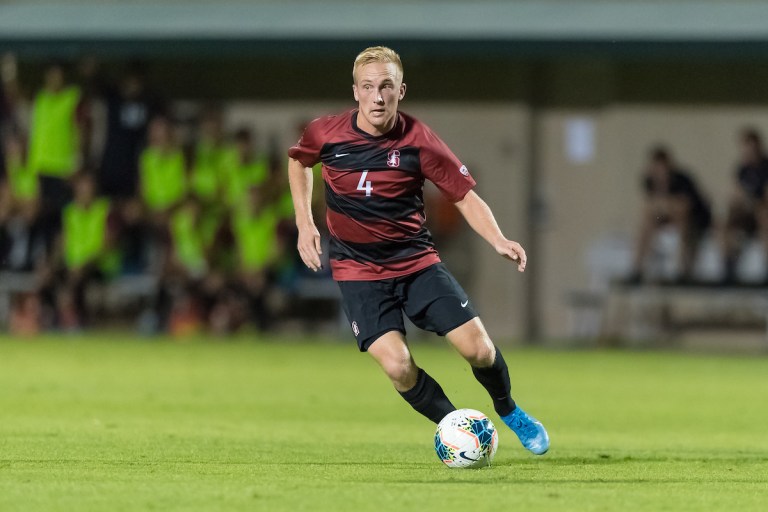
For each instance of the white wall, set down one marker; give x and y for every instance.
(586, 202)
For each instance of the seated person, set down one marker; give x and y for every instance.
(22, 244)
(255, 228)
(671, 198)
(212, 153)
(162, 171)
(189, 283)
(748, 208)
(82, 255)
(243, 168)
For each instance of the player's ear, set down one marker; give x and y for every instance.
(354, 91)
(402, 91)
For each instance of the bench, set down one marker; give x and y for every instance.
(661, 312)
(113, 295)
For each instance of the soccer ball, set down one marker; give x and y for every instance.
(466, 438)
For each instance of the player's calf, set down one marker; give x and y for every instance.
(495, 379)
(428, 398)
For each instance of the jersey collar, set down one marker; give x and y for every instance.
(391, 134)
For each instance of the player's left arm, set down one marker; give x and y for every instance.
(481, 219)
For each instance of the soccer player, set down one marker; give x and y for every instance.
(375, 160)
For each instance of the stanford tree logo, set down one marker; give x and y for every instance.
(393, 158)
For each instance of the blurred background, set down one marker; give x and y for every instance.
(143, 167)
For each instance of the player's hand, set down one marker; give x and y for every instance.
(309, 247)
(513, 251)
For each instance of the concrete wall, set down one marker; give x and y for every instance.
(585, 202)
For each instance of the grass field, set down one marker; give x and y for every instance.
(118, 424)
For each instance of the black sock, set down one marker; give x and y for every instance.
(495, 379)
(428, 398)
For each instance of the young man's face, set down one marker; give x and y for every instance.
(378, 89)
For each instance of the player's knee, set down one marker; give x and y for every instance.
(481, 354)
(401, 370)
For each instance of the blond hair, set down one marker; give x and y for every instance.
(377, 54)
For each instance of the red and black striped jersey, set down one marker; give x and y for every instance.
(374, 192)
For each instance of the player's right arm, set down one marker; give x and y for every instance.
(300, 179)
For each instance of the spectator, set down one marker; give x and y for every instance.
(21, 243)
(187, 280)
(748, 208)
(163, 176)
(4, 121)
(133, 243)
(129, 108)
(211, 155)
(672, 198)
(254, 226)
(9, 97)
(247, 168)
(21, 178)
(56, 142)
(191, 235)
(84, 249)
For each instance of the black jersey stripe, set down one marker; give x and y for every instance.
(373, 207)
(370, 157)
(381, 252)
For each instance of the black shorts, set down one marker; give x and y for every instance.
(432, 299)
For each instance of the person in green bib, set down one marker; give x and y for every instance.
(259, 249)
(21, 177)
(56, 137)
(84, 247)
(191, 236)
(243, 169)
(211, 155)
(21, 240)
(189, 275)
(56, 142)
(162, 171)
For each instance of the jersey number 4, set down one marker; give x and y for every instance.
(365, 185)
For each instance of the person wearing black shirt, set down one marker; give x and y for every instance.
(129, 107)
(748, 209)
(671, 198)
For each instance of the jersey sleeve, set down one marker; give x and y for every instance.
(440, 166)
(307, 149)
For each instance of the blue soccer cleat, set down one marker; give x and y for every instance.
(529, 430)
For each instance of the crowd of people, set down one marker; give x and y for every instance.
(209, 216)
(674, 199)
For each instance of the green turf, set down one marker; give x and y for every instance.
(120, 424)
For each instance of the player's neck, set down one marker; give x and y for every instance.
(364, 125)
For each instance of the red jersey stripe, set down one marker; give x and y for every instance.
(352, 230)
